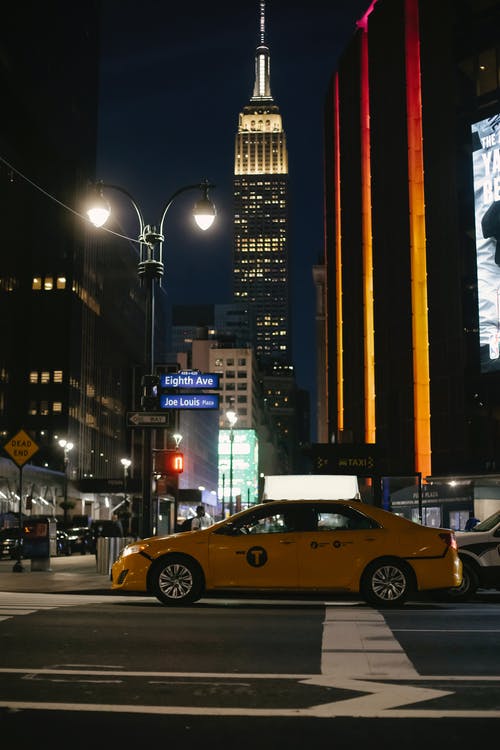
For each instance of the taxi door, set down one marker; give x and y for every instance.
(260, 561)
(333, 556)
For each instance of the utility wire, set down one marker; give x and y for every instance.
(60, 203)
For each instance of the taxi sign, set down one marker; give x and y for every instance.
(21, 448)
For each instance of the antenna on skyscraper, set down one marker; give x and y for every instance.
(262, 22)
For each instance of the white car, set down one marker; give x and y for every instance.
(479, 551)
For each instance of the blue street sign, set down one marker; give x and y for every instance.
(189, 401)
(194, 379)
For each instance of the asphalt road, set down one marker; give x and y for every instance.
(87, 666)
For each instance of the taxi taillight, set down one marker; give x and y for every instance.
(449, 539)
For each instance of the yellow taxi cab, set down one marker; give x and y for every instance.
(299, 546)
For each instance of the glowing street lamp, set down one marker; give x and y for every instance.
(67, 446)
(232, 418)
(150, 271)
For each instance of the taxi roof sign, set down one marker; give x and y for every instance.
(311, 487)
(21, 448)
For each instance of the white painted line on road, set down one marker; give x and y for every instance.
(440, 630)
(334, 710)
(358, 643)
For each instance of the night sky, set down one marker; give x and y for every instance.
(174, 77)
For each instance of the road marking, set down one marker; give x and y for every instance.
(358, 643)
(381, 699)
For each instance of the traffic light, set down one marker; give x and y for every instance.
(169, 462)
(150, 399)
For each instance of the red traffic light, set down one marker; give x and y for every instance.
(169, 462)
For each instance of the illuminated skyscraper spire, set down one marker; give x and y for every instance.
(260, 267)
(262, 88)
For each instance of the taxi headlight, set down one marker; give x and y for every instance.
(133, 549)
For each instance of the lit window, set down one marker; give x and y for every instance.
(58, 376)
(48, 284)
(57, 407)
(37, 282)
(33, 376)
(61, 282)
(45, 377)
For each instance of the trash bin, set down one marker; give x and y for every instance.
(39, 541)
(108, 549)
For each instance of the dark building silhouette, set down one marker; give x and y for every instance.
(416, 93)
(71, 316)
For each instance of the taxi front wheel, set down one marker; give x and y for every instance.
(176, 580)
(386, 583)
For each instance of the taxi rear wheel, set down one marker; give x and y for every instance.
(176, 580)
(387, 583)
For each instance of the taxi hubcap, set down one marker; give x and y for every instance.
(388, 583)
(175, 581)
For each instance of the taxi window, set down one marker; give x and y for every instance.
(340, 518)
(271, 523)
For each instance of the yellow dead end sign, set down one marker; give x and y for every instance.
(21, 448)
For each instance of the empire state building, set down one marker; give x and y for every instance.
(261, 245)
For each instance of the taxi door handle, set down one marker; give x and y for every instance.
(287, 541)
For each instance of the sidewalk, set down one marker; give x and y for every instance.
(76, 574)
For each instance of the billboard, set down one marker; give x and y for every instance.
(245, 460)
(486, 175)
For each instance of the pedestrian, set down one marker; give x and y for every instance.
(471, 522)
(201, 520)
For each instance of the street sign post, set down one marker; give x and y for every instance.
(149, 419)
(188, 401)
(20, 448)
(190, 379)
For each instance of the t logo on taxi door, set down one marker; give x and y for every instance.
(256, 557)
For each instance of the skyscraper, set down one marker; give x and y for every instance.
(261, 243)
(261, 261)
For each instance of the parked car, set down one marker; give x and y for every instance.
(9, 542)
(295, 545)
(63, 544)
(80, 539)
(479, 551)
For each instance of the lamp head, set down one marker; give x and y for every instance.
(98, 209)
(125, 462)
(204, 210)
(232, 417)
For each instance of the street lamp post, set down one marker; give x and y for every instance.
(125, 462)
(150, 271)
(67, 446)
(177, 439)
(232, 419)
